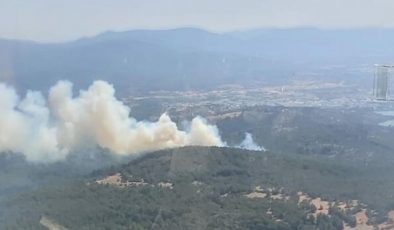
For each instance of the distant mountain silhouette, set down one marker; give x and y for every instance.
(188, 58)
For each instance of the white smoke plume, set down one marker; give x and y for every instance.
(249, 144)
(47, 130)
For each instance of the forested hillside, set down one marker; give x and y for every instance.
(212, 188)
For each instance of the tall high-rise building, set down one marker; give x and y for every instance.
(381, 85)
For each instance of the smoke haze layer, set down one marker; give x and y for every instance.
(47, 130)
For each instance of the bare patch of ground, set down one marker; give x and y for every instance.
(389, 224)
(303, 197)
(342, 206)
(253, 195)
(280, 196)
(50, 224)
(361, 222)
(321, 206)
(257, 193)
(116, 180)
(165, 185)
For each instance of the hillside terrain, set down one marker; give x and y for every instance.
(331, 122)
(303, 94)
(213, 188)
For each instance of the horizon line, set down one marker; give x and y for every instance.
(218, 32)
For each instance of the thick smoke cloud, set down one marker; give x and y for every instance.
(24, 126)
(47, 130)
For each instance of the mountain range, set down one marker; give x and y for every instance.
(188, 58)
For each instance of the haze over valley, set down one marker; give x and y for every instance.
(276, 127)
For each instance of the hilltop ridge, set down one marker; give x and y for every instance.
(210, 188)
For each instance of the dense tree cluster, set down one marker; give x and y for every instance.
(209, 191)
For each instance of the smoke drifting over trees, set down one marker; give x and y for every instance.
(47, 130)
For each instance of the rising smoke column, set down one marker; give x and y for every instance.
(249, 144)
(46, 131)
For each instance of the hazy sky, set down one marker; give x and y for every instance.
(59, 20)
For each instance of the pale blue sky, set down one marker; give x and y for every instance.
(60, 20)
